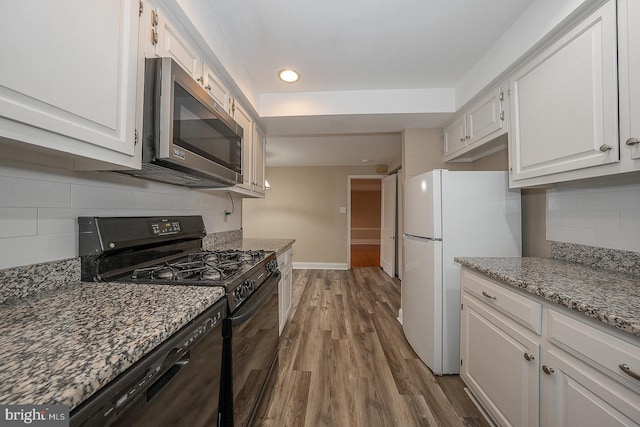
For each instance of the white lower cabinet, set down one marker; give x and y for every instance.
(285, 264)
(574, 373)
(499, 364)
(577, 395)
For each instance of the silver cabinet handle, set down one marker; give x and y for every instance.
(462, 139)
(529, 357)
(627, 370)
(605, 147)
(201, 80)
(547, 370)
(467, 137)
(208, 87)
(487, 295)
(632, 141)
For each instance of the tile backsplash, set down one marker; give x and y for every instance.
(39, 207)
(603, 213)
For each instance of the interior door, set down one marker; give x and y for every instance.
(388, 226)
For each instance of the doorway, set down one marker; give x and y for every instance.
(365, 195)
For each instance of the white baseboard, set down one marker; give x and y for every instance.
(475, 401)
(320, 266)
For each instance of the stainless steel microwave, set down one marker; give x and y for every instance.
(188, 139)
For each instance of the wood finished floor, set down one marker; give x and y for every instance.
(365, 255)
(344, 361)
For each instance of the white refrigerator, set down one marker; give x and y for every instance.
(449, 214)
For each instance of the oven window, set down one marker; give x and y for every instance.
(198, 130)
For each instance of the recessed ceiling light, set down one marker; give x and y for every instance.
(288, 75)
(365, 160)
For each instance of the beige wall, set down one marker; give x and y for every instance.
(493, 162)
(422, 152)
(304, 204)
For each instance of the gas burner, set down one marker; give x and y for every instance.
(163, 273)
(203, 266)
(211, 274)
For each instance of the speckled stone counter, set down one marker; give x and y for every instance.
(277, 245)
(610, 297)
(63, 345)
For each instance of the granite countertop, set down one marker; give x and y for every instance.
(277, 245)
(63, 345)
(62, 340)
(608, 296)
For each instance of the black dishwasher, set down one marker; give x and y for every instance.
(177, 384)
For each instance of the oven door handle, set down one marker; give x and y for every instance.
(255, 306)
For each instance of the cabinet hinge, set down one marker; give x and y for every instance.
(140, 8)
(154, 27)
(502, 115)
(135, 137)
(461, 307)
(460, 362)
(509, 91)
(501, 97)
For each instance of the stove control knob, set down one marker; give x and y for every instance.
(272, 266)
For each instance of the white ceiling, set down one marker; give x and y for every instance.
(357, 45)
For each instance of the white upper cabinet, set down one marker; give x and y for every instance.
(473, 134)
(214, 86)
(486, 116)
(246, 122)
(629, 63)
(564, 104)
(166, 39)
(69, 77)
(171, 43)
(259, 149)
(455, 135)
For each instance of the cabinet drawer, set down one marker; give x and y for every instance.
(595, 347)
(518, 307)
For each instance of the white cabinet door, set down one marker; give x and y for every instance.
(564, 102)
(258, 159)
(215, 87)
(246, 122)
(455, 135)
(69, 75)
(485, 117)
(285, 264)
(174, 45)
(577, 395)
(499, 364)
(629, 63)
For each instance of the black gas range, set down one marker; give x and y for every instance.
(168, 251)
